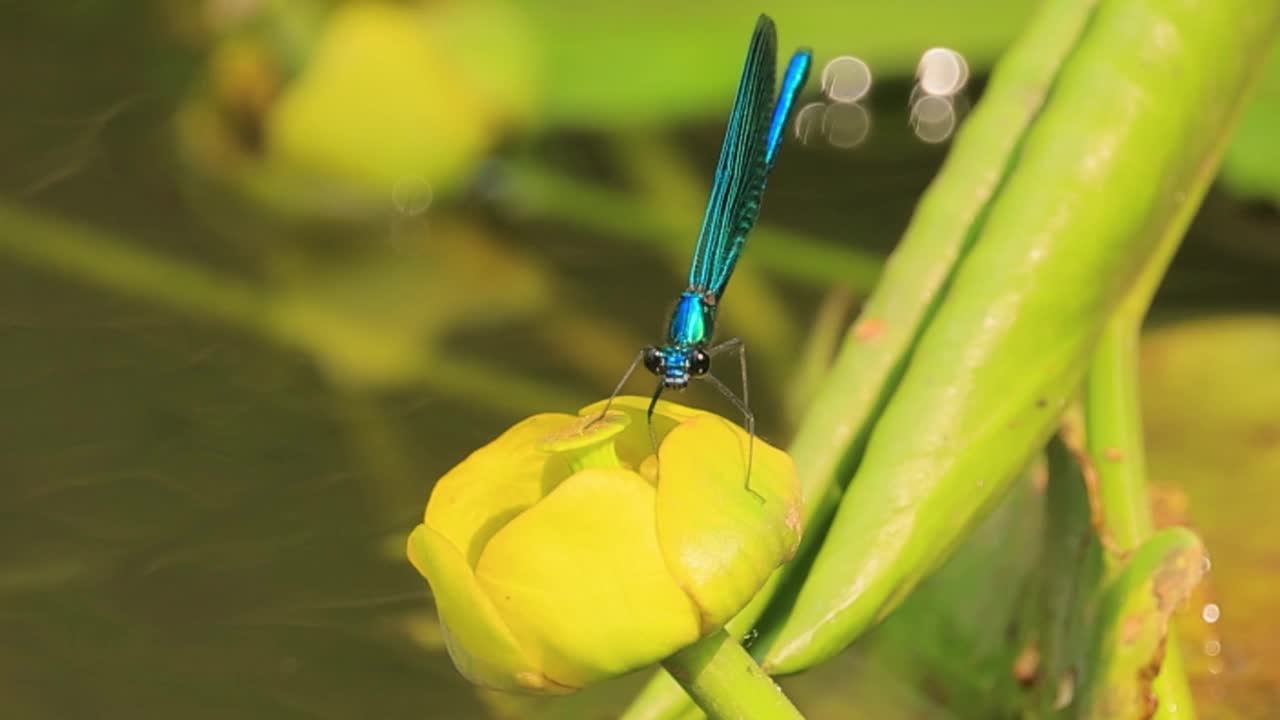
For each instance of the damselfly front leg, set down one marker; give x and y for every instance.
(625, 376)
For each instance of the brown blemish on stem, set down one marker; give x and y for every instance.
(1072, 438)
(868, 330)
(1026, 667)
(1172, 583)
(1178, 574)
(1147, 677)
(1131, 629)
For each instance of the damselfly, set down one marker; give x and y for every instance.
(757, 124)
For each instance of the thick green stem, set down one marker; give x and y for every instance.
(725, 681)
(1115, 438)
(1112, 411)
(1114, 421)
(108, 261)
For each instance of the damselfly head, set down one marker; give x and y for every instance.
(675, 365)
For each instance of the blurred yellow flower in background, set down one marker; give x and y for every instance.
(340, 112)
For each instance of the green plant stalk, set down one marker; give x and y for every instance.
(1114, 431)
(1113, 416)
(108, 261)
(1130, 633)
(1114, 437)
(1112, 166)
(725, 681)
(831, 437)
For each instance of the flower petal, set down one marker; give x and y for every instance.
(719, 539)
(635, 444)
(482, 646)
(581, 581)
(498, 481)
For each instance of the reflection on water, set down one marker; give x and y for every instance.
(938, 101)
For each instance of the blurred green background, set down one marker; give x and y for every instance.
(269, 268)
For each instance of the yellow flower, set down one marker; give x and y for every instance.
(374, 106)
(559, 555)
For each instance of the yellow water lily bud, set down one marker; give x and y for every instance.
(381, 100)
(565, 551)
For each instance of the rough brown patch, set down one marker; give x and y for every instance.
(1178, 574)
(792, 521)
(1130, 629)
(1113, 454)
(1147, 677)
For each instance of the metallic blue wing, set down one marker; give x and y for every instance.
(741, 154)
(755, 130)
(792, 84)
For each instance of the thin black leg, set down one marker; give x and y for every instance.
(735, 344)
(742, 404)
(625, 376)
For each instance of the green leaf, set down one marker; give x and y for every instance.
(1111, 166)
(1251, 166)
(1133, 620)
(1064, 589)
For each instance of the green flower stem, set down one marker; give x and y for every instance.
(1115, 438)
(111, 262)
(1114, 425)
(1112, 415)
(725, 681)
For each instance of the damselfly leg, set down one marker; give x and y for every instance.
(743, 404)
(625, 377)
